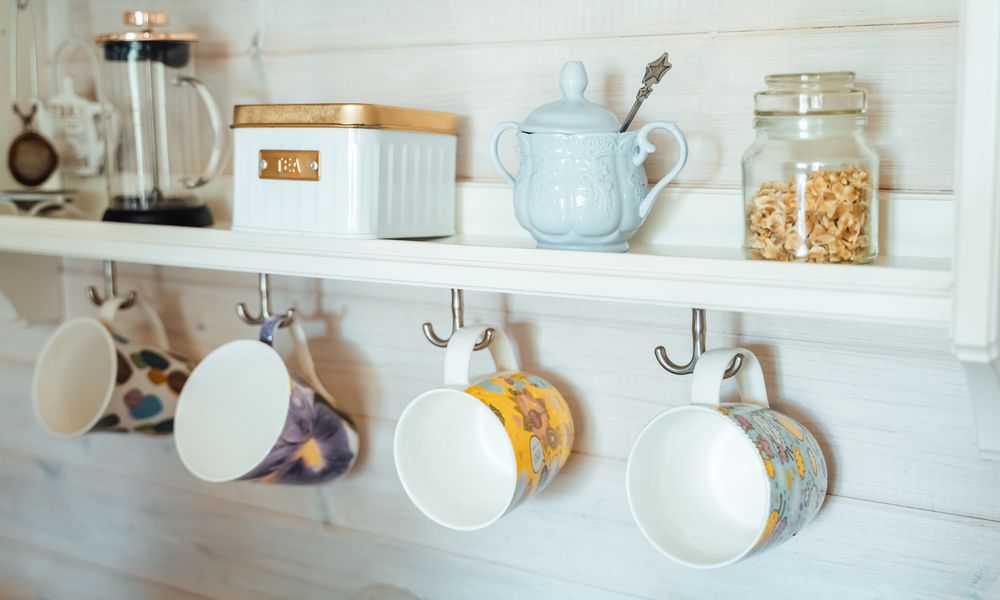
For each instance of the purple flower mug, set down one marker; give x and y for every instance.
(243, 415)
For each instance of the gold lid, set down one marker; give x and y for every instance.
(366, 116)
(147, 19)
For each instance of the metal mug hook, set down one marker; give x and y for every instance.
(457, 322)
(698, 329)
(264, 294)
(110, 287)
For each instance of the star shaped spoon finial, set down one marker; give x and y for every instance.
(654, 73)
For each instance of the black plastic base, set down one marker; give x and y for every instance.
(184, 216)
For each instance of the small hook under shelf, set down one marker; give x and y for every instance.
(698, 329)
(264, 294)
(457, 322)
(110, 287)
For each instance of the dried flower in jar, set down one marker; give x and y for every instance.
(834, 227)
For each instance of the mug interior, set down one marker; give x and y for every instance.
(232, 410)
(455, 460)
(75, 377)
(697, 487)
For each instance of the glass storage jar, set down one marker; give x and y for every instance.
(810, 177)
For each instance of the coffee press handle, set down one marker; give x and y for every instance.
(458, 357)
(218, 132)
(709, 371)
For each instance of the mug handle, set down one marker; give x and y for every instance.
(710, 369)
(109, 310)
(645, 148)
(300, 348)
(218, 132)
(495, 151)
(458, 356)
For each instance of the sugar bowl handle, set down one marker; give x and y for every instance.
(644, 148)
(494, 151)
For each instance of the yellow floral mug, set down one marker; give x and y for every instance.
(710, 484)
(469, 452)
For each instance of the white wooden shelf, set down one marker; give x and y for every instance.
(897, 289)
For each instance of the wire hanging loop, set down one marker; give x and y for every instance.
(110, 287)
(265, 313)
(457, 322)
(698, 330)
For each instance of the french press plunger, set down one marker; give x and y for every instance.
(157, 159)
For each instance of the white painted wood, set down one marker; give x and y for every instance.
(977, 251)
(227, 550)
(30, 287)
(305, 26)
(485, 258)
(234, 550)
(29, 572)
(708, 92)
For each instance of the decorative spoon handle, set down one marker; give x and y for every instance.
(654, 73)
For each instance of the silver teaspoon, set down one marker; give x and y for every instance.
(654, 73)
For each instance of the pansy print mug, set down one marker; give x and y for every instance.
(711, 484)
(469, 452)
(244, 415)
(91, 378)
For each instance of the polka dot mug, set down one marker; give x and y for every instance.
(91, 378)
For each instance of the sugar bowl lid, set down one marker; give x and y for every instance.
(572, 113)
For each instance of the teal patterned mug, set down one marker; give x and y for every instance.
(89, 377)
(710, 484)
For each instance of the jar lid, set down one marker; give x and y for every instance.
(147, 20)
(810, 94)
(572, 113)
(365, 116)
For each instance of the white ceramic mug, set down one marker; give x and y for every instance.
(90, 378)
(469, 452)
(244, 415)
(711, 484)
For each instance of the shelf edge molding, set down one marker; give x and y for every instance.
(976, 292)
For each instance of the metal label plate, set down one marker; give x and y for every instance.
(299, 165)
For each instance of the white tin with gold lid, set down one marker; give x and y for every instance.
(345, 170)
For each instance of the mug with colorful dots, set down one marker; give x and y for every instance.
(710, 484)
(91, 378)
(471, 451)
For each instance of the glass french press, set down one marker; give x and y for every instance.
(156, 159)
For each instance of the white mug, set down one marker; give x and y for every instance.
(711, 484)
(91, 378)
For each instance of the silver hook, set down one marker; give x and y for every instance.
(457, 322)
(697, 349)
(264, 294)
(110, 287)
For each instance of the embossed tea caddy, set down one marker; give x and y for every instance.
(581, 184)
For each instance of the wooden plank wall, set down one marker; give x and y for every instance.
(912, 512)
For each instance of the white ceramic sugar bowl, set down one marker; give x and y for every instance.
(581, 184)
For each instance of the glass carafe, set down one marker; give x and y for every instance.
(158, 156)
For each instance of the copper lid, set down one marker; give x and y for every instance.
(147, 20)
(366, 116)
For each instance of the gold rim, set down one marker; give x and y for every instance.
(365, 116)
